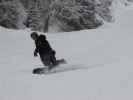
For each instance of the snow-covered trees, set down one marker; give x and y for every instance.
(103, 9)
(34, 17)
(8, 16)
(12, 14)
(71, 15)
(62, 15)
(37, 14)
(66, 15)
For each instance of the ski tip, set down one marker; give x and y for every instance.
(40, 71)
(37, 71)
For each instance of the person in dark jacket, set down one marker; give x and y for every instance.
(47, 54)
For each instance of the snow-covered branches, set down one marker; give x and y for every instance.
(65, 15)
(12, 14)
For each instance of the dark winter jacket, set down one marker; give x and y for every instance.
(42, 46)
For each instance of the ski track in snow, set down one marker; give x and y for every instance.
(101, 61)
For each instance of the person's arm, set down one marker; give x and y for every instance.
(35, 52)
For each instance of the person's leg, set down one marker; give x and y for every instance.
(53, 59)
(45, 60)
(49, 60)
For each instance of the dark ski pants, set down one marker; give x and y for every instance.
(48, 60)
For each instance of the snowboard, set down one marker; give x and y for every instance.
(45, 70)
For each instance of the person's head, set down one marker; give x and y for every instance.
(34, 35)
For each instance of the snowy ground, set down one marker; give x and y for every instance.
(107, 54)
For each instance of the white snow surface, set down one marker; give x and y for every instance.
(106, 53)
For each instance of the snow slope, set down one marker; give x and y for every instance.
(106, 53)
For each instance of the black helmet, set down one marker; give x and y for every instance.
(34, 35)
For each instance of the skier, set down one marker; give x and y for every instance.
(47, 54)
